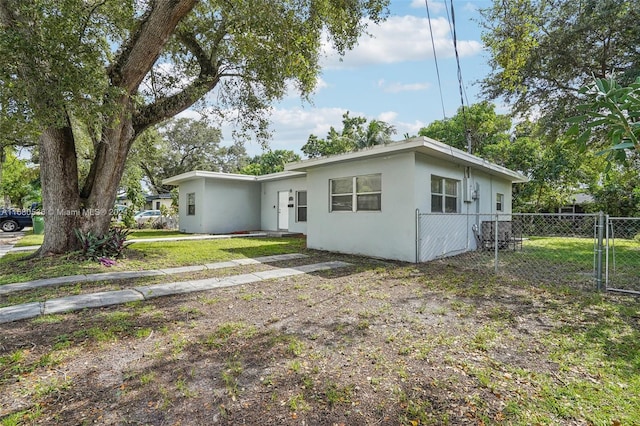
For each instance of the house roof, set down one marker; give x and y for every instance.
(162, 196)
(196, 174)
(423, 145)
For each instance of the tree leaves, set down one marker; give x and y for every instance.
(609, 119)
(355, 134)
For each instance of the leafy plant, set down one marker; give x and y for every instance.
(614, 108)
(128, 217)
(102, 247)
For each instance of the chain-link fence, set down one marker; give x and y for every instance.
(554, 248)
(623, 254)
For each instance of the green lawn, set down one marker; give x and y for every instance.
(152, 255)
(33, 240)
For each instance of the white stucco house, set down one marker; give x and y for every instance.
(363, 202)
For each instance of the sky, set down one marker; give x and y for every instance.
(390, 76)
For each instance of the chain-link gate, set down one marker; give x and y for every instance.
(622, 267)
(555, 248)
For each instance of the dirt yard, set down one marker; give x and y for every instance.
(377, 343)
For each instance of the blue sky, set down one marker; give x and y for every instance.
(389, 76)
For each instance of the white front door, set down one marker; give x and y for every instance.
(283, 210)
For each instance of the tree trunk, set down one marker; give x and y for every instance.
(66, 207)
(101, 187)
(60, 196)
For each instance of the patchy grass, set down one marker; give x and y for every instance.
(391, 344)
(148, 255)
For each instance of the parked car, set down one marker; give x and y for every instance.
(14, 220)
(147, 215)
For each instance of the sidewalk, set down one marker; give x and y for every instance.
(107, 298)
(111, 276)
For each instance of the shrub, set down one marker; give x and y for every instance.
(96, 247)
(127, 217)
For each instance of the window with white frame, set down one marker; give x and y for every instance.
(191, 204)
(499, 202)
(356, 193)
(301, 206)
(444, 195)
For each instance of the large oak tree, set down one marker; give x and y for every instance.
(114, 68)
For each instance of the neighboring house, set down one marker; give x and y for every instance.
(122, 200)
(153, 202)
(577, 204)
(362, 202)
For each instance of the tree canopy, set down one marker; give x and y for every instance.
(356, 134)
(19, 182)
(179, 146)
(478, 124)
(270, 162)
(542, 53)
(116, 68)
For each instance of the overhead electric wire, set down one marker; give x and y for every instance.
(435, 58)
(452, 24)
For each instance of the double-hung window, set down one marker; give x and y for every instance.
(356, 193)
(499, 202)
(444, 195)
(191, 204)
(301, 206)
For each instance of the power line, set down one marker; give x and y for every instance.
(452, 24)
(435, 57)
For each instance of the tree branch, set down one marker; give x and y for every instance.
(208, 78)
(7, 17)
(138, 55)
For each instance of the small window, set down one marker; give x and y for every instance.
(191, 204)
(157, 205)
(342, 194)
(301, 206)
(499, 202)
(444, 195)
(356, 193)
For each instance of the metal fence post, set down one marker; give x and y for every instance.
(417, 235)
(495, 245)
(600, 247)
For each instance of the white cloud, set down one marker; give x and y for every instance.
(387, 116)
(434, 6)
(401, 39)
(292, 91)
(402, 87)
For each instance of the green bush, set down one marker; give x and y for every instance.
(96, 247)
(127, 217)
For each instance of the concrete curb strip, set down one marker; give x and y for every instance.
(107, 298)
(19, 312)
(110, 276)
(93, 300)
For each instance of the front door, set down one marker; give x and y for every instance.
(283, 210)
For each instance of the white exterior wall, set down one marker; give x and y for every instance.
(448, 234)
(191, 224)
(389, 233)
(269, 203)
(230, 206)
(163, 202)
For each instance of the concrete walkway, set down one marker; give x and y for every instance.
(7, 241)
(112, 276)
(107, 298)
